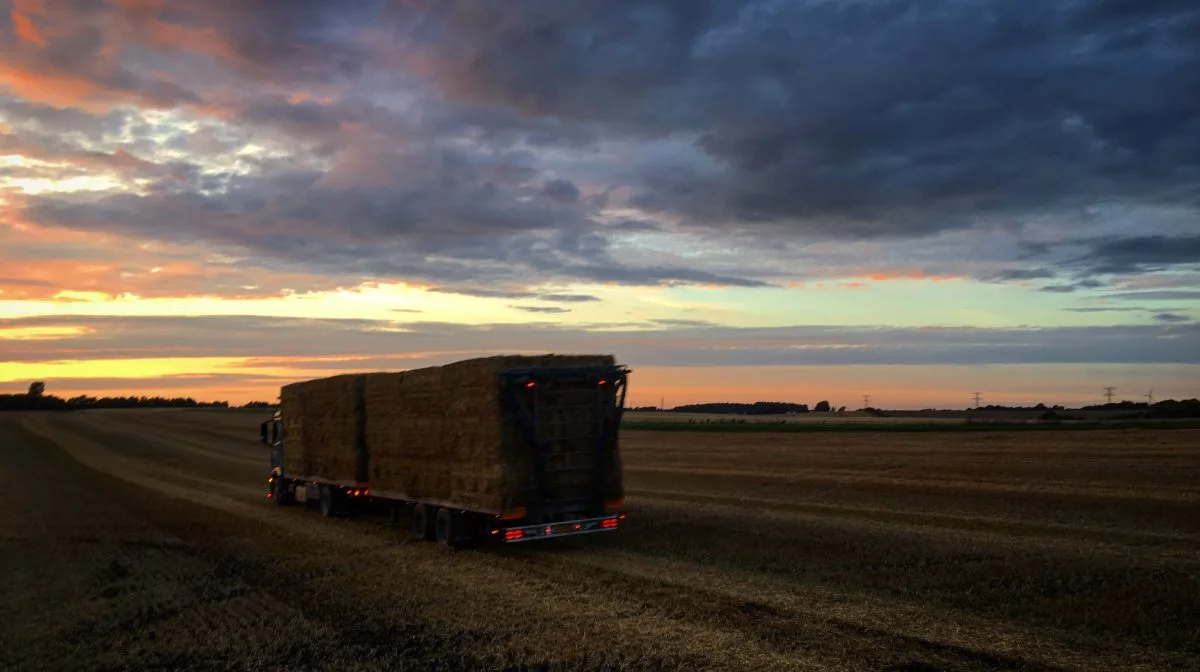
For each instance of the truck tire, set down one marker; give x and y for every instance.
(454, 529)
(422, 522)
(445, 528)
(329, 502)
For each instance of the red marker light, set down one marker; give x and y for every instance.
(603, 381)
(529, 384)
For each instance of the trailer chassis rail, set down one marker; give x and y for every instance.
(566, 528)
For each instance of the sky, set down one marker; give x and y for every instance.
(788, 200)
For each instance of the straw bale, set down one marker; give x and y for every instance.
(442, 433)
(320, 421)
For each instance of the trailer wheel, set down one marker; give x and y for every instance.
(445, 528)
(422, 526)
(330, 507)
(453, 529)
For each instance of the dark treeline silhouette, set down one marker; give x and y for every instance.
(36, 399)
(1167, 408)
(1038, 407)
(733, 408)
(258, 404)
(47, 402)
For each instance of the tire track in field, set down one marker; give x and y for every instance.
(185, 428)
(777, 609)
(169, 481)
(783, 525)
(1120, 540)
(208, 451)
(848, 477)
(161, 447)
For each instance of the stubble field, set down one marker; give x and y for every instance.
(143, 539)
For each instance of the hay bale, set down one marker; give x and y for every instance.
(321, 421)
(442, 433)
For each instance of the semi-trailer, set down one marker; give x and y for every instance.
(502, 449)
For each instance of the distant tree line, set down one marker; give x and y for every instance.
(1038, 407)
(1167, 408)
(36, 399)
(737, 408)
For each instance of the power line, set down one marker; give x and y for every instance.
(866, 401)
(977, 398)
(1149, 397)
(1108, 393)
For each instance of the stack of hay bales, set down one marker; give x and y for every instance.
(322, 428)
(443, 434)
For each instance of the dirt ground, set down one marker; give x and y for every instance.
(143, 539)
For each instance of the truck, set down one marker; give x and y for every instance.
(490, 450)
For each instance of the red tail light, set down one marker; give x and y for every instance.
(609, 523)
(513, 535)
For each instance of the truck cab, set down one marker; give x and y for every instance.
(270, 433)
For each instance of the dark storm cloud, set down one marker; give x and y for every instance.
(635, 226)
(569, 298)
(1073, 287)
(1156, 295)
(1108, 309)
(484, 293)
(865, 118)
(561, 190)
(25, 282)
(541, 309)
(1086, 263)
(1023, 274)
(275, 340)
(1140, 254)
(431, 214)
(61, 121)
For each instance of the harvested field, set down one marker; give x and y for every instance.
(144, 539)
